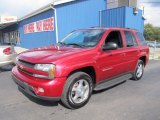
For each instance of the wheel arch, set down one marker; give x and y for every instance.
(90, 70)
(144, 59)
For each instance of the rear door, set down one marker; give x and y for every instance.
(144, 49)
(131, 51)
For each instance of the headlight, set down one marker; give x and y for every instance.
(49, 68)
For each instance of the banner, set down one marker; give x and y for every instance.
(7, 19)
(39, 26)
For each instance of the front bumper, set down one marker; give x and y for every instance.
(30, 90)
(52, 88)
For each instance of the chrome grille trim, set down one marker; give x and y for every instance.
(24, 71)
(25, 63)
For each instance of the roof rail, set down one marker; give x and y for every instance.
(94, 27)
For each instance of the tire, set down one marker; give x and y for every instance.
(137, 75)
(76, 94)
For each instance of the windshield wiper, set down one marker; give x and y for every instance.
(75, 44)
(61, 43)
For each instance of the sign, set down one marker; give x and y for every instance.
(39, 26)
(7, 19)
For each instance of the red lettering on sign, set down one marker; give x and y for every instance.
(44, 25)
(9, 19)
(39, 26)
(48, 24)
(31, 28)
(25, 29)
(51, 24)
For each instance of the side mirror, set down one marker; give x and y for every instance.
(110, 46)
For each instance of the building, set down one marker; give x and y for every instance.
(51, 23)
(120, 3)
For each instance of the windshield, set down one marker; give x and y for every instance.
(83, 38)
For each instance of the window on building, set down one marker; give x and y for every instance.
(11, 37)
(6, 38)
(115, 36)
(130, 39)
(141, 38)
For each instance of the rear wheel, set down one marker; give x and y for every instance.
(139, 70)
(77, 90)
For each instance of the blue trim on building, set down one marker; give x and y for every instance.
(71, 16)
(123, 17)
(76, 15)
(113, 17)
(37, 39)
(133, 20)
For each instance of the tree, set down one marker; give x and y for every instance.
(151, 33)
(157, 33)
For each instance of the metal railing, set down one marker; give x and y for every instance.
(154, 47)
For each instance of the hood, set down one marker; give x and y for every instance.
(50, 54)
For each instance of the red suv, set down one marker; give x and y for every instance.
(85, 60)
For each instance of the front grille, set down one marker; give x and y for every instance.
(25, 63)
(24, 71)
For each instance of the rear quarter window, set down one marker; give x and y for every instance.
(130, 39)
(141, 39)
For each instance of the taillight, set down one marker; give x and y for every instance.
(7, 51)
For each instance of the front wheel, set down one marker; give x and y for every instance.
(137, 75)
(77, 90)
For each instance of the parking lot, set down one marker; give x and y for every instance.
(130, 100)
(154, 53)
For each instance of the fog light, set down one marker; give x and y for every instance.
(41, 90)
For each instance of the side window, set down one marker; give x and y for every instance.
(115, 36)
(130, 39)
(141, 38)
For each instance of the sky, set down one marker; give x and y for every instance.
(151, 11)
(21, 8)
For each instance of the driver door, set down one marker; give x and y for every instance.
(111, 62)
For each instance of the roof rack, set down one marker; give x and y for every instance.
(94, 27)
(124, 28)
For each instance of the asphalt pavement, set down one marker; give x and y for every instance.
(131, 100)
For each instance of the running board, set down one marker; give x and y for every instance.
(111, 82)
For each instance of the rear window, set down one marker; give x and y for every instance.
(141, 39)
(130, 39)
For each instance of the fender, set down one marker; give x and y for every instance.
(144, 54)
(73, 66)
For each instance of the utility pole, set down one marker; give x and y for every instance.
(143, 10)
(155, 44)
